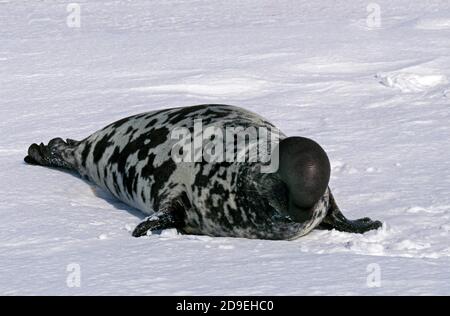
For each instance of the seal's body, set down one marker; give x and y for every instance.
(133, 159)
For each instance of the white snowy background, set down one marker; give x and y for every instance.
(374, 93)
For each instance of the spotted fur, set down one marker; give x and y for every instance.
(131, 158)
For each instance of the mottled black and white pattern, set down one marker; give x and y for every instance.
(131, 158)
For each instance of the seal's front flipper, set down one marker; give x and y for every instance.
(160, 220)
(358, 226)
(170, 215)
(336, 220)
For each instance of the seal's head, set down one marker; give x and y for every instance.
(305, 169)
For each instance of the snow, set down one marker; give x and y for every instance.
(375, 97)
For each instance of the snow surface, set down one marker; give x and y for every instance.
(376, 98)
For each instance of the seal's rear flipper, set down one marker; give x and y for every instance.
(56, 154)
(336, 220)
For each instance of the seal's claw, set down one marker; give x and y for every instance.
(377, 224)
(365, 224)
(364, 220)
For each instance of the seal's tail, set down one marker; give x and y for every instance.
(57, 153)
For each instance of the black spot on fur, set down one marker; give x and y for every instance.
(85, 153)
(213, 114)
(143, 153)
(129, 130)
(153, 139)
(151, 123)
(160, 176)
(116, 184)
(102, 145)
(119, 123)
(129, 179)
(143, 196)
(135, 183)
(202, 179)
(148, 169)
(177, 116)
